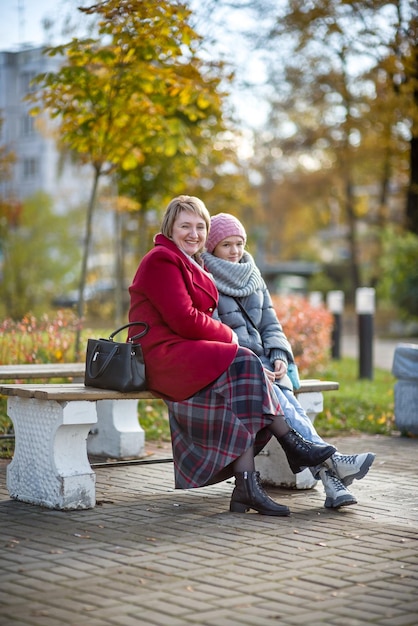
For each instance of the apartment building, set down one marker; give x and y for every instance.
(39, 164)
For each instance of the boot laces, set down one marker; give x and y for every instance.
(300, 442)
(336, 481)
(258, 483)
(346, 458)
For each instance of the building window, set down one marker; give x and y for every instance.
(25, 82)
(27, 125)
(30, 168)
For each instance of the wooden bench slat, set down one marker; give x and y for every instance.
(317, 385)
(70, 370)
(77, 391)
(41, 370)
(70, 391)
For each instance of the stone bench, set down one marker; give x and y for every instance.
(117, 434)
(50, 465)
(52, 423)
(271, 462)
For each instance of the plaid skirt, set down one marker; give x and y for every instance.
(218, 424)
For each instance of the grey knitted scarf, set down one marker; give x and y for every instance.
(234, 279)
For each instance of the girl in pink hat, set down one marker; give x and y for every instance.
(245, 306)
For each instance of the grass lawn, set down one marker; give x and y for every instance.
(359, 405)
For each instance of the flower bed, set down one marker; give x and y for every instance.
(308, 330)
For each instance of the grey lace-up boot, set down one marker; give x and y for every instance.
(350, 467)
(336, 494)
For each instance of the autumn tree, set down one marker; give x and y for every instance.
(134, 89)
(321, 108)
(401, 67)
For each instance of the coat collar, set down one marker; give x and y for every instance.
(201, 276)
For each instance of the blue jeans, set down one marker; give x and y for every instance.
(295, 416)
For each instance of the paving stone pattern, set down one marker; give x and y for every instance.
(151, 555)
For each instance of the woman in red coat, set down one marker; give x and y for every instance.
(222, 408)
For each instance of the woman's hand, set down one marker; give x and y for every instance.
(270, 375)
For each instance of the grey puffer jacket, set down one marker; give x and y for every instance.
(243, 282)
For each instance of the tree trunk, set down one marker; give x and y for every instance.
(119, 270)
(352, 236)
(412, 197)
(86, 251)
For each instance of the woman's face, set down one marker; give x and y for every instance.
(230, 249)
(189, 232)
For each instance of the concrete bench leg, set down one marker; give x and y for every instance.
(50, 466)
(118, 433)
(272, 462)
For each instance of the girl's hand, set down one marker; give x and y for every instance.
(280, 369)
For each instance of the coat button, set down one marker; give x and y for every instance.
(210, 309)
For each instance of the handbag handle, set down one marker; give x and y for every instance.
(135, 337)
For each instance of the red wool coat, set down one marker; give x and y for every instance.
(185, 349)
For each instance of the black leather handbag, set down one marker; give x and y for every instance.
(117, 366)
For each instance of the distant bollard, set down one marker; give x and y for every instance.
(405, 369)
(365, 308)
(335, 304)
(316, 299)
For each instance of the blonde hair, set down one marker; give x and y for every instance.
(183, 203)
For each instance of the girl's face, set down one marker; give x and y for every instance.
(230, 249)
(189, 232)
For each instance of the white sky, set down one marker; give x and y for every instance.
(21, 20)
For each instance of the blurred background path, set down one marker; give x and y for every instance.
(383, 349)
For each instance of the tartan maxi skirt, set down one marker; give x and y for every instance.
(219, 423)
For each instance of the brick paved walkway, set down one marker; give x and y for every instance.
(149, 555)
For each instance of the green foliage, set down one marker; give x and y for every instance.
(359, 405)
(6, 428)
(38, 253)
(153, 417)
(399, 270)
(38, 340)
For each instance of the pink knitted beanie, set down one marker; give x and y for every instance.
(222, 226)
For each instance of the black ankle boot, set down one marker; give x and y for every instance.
(249, 494)
(301, 453)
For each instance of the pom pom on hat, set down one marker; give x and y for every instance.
(222, 226)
